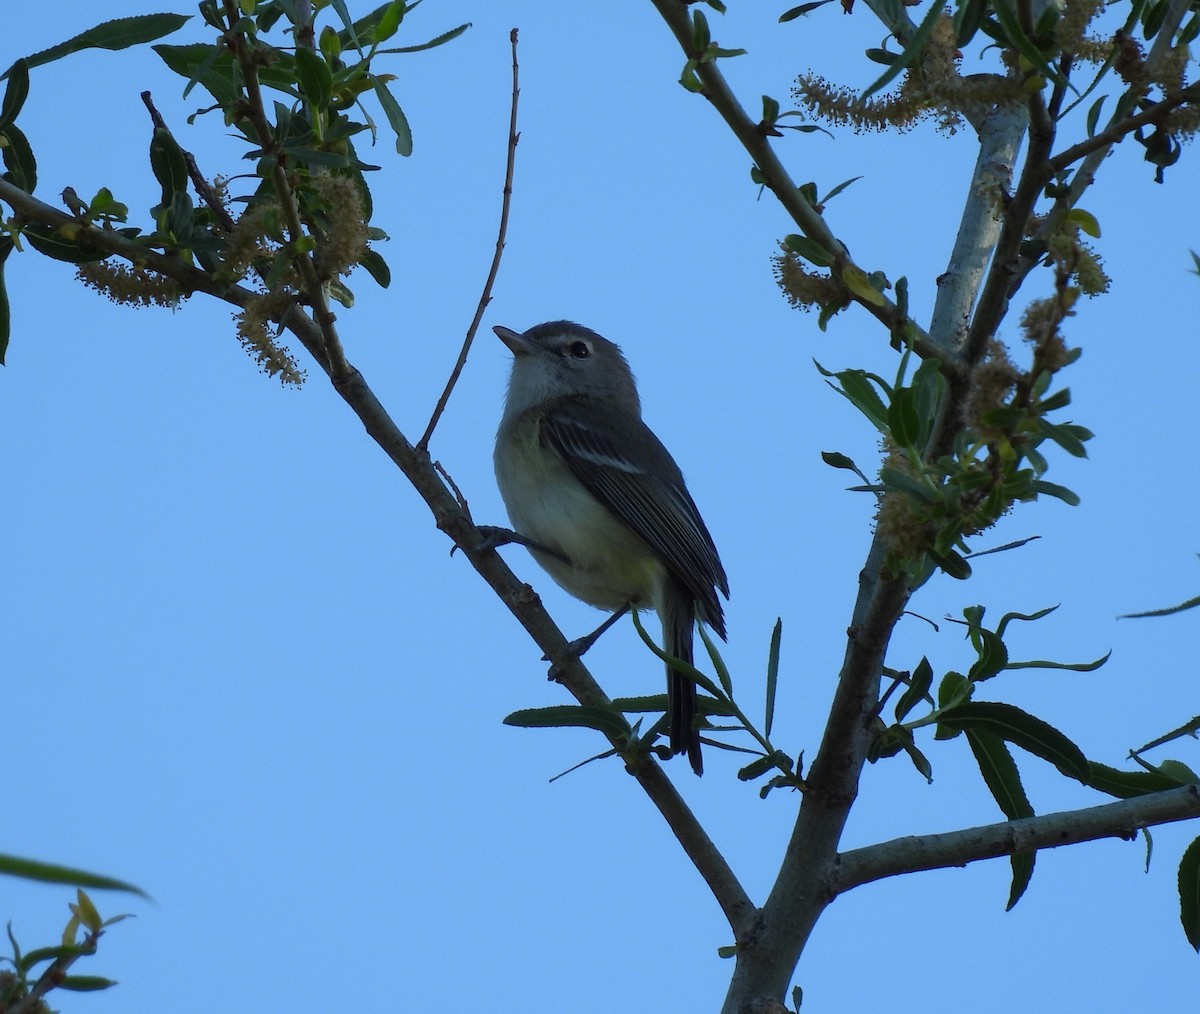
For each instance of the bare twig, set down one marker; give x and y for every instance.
(486, 296)
(203, 188)
(1121, 819)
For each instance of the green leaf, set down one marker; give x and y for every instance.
(16, 93)
(863, 396)
(51, 243)
(902, 482)
(563, 716)
(316, 80)
(756, 769)
(395, 117)
(951, 564)
(1072, 666)
(6, 247)
(914, 47)
(168, 164)
(967, 19)
(113, 35)
(809, 249)
(772, 675)
(917, 689)
(904, 421)
(85, 983)
(1191, 603)
(439, 40)
(1000, 773)
(388, 24)
(18, 159)
(1189, 893)
(993, 657)
(1093, 116)
(377, 268)
(1010, 27)
(796, 12)
(51, 873)
(1085, 220)
(835, 459)
(1127, 784)
(1024, 730)
(719, 666)
(1003, 780)
(680, 666)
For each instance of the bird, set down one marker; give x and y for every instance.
(600, 502)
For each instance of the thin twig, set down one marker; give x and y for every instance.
(486, 296)
(716, 89)
(203, 188)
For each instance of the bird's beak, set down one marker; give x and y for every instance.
(517, 343)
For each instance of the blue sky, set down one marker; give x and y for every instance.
(244, 673)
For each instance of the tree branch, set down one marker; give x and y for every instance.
(780, 183)
(767, 959)
(1000, 132)
(486, 296)
(1121, 819)
(450, 517)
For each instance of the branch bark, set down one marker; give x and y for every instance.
(1121, 819)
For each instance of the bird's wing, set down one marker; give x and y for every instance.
(623, 464)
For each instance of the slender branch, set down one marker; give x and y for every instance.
(486, 296)
(1115, 132)
(1121, 819)
(450, 517)
(777, 179)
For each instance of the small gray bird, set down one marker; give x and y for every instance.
(586, 481)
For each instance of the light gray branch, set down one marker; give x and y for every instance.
(1000, 132)
(1121, 819)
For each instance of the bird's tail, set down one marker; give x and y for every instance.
(678, 622)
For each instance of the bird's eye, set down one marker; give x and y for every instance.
(580, 350)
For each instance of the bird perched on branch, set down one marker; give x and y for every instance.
(600, 501)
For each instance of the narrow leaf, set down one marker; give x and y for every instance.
(433, 43)
(16, 93)
(917, 690)
(1127, 784)
(51, 873)
(772, 675)
(1022, 729)
(85, 983)
(1000, 773)
(395, 117)
(6, 247)
(1189, 604)
(1189, 893)
(562, 716)
(809, 249)
(118, 34)
(915, 44)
